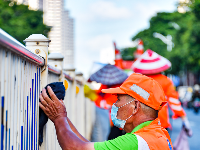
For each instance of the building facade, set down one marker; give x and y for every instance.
(62, 27)
(68, 39)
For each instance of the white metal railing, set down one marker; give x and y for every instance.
(23, 73)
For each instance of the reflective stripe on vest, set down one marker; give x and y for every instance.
(142, 144)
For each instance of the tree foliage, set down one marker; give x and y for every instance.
(127, 53)
(20, 22)
(185, 53)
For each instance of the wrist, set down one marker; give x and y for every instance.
(59, 121)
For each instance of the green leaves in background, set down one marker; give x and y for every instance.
(20, 22)
(185, 31)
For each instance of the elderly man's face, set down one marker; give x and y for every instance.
(125, 111)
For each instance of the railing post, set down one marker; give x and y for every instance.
(38, 44)
(71, 103)
(56, 60)
(81, 118)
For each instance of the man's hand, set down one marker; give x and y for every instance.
(52, 107)
(56, 111)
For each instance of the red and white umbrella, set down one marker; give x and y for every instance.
(150, 63)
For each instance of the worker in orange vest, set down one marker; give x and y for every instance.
(152, 64)
(136, 111)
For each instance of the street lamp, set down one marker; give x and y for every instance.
(166, 39)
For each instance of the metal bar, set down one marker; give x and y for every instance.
(53, 69)
(14, 146)
(71, 79)
(37, 111)
(19, 80)
(1, 66)
(18, 48)
(68, 77)
(11, 116)
(22, 104)
(2, 96)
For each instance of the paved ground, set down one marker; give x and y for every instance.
(194, 119)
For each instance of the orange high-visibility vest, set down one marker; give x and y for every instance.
(156, 137)
(172, 99)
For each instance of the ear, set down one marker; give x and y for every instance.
(136, 107)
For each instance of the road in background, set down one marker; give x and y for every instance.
(194, 119)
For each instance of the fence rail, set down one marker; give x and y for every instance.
(16, 47)
(24, 72)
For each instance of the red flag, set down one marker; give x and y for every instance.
(118, 58)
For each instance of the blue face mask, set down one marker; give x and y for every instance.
(118, 122)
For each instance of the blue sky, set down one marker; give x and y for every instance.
(100, 22)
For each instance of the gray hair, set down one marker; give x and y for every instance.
(148, 111)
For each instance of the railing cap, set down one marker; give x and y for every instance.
(79, 74)
(69, 68)
(37, 37)
(55, 56)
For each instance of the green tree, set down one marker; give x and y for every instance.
(185, 36)
(194, 37)
(127, 53)
(20, 22)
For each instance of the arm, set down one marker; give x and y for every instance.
(176, 107)
(68, 136)
(68, 139)
(76, 131)
(173, 101)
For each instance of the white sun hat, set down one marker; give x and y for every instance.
(150, 63)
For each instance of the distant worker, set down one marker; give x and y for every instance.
(139, 51)
(152, 64)
(196, 98)
(136, 111)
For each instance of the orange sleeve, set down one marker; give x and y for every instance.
(173, 100)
